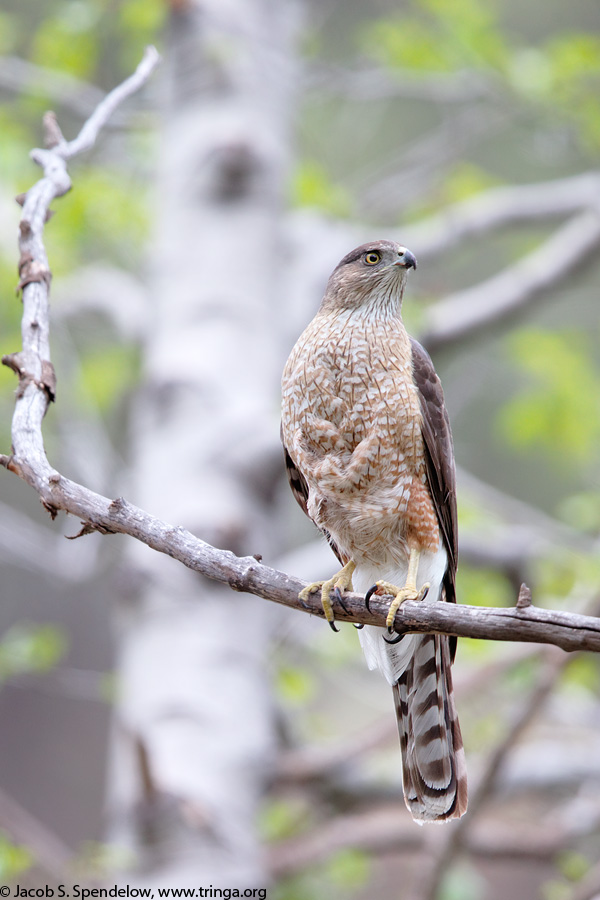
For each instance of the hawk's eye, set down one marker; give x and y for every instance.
(372, 257)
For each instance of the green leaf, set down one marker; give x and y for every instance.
(439, 36)
(483, 587)
(107, 373)
(558, 411)
(462, 882)
(574, 866)
(295, 685)
(14, 858)
(312, 187)
(27, 648)
(349, 869)
(66, 40)
(281, 818)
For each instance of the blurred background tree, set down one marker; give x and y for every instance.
(190, 254)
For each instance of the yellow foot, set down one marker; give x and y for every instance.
(341, 581)
(408, 592)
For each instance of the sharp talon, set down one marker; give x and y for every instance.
(372, 590)
(358, 625)
(338, 596)
(425, 590)
(333, 626)
(396, 640)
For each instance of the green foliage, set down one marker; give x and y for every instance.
(573, 867)
(281, 818)
(583, 672)
(66, 40)
(558, 412)
(581, 511)
(483, 587)
(101, 216)
(27, 648)
(99, 860)
(560, 78)
(311, 186)
(439, 36)
(573, 83)
(462, 882)
(349, 869)
(14, 858)
(345, 873)
(295, 685)
(140, 23)
(105, 373)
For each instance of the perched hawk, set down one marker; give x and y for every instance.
(369, 456)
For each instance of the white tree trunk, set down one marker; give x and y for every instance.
(194, 736)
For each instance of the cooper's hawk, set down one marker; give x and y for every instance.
(369, 456)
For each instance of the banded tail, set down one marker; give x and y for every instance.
(433, 757)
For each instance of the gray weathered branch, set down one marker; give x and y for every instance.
(569, 631)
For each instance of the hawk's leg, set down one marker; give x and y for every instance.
(410, 591)
(341, 581)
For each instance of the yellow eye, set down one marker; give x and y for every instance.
(372, 257)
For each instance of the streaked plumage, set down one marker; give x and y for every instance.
(369, 457)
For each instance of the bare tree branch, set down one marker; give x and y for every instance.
(467, 312)
(21, 75)
(376, 83)
(389, 829)
(49, 852)
(502, 206)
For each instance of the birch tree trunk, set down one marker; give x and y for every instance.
(194, 735)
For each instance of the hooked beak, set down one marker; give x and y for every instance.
(406, 259)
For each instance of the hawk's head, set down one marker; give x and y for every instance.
(372, 274)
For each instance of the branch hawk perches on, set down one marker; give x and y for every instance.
(369, 455)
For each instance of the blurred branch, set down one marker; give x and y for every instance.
(316, 763)
(382, 84)
(498, 207)
(467, 312)
(49, 852)
(389, 830)
(30, 546)
(20, 75)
